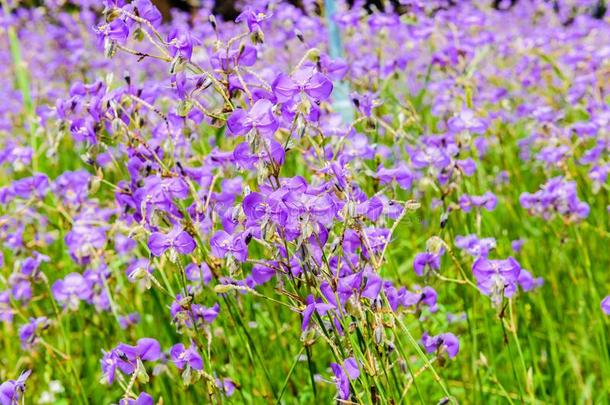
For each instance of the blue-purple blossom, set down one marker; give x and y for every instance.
(556, 197)
(28, 333)
(227, 183)
(125, 357)
(224, 244)
(259, 118)
(605, 304)
(11, 391)
(180, 44)
(142, 399)
(226, 385)
(497, 278)
(475, 246)
(146, 10)
(116, 31)
(183, 356)
(129, 320)
(487, 201)
(253, 18)
(71, 290)
(426, 262)
(345, 373)
(466, 120)
(306, 81)
(176, 240)
(443, 343)
(314, 306)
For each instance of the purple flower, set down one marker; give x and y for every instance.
(71, 290)
(142, 399)
(224, 244)
(527, 281)
(373, 285)
(430, 157)
(496, 278)
(147, 10)
(243, 56)
(314, 305)
(260, 118)
(109, 364)
(226, 385)
(28, 332)
(36, 185)
(343, 375)
(11, 390)
(555, 197)
(82, 129)
(365, 102)
(139, 270)
(418, 297)
(129, 320)
(553, 155)
(116, 30)
(466, 121)
(182, 356)
(21, 289)
(401, 175)
(72, 187)
(261, 273)
(85, 240)
(6, 313)
(159, 194)
(307, 80)
(378, 238)
(445, 342)
(336, 69)
(208, 315)
(125, 357)
(475, 246)
(425, 261)
(145, 349)
(272, 153)
(196, 272)
(605, 304)
(517, 245)
(253, 18)
(177, 239)
(487, 201)
(30, 265)
(183, 314)
(372, 208)
(180, 43)
(468, 166)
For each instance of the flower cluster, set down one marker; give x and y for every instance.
(227, 194)
(556, 197)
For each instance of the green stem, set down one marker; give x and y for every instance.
(287, 380)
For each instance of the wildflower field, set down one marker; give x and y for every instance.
(309, 204)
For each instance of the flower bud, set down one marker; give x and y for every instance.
(212, 21)
(141, 374)
(109, 48)
(299, 35)
(138, 34)
(113, 15)
(379, 335)
(184, 108)
(187, 376)
(435, 245)
(177, 65)
(95, 183)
